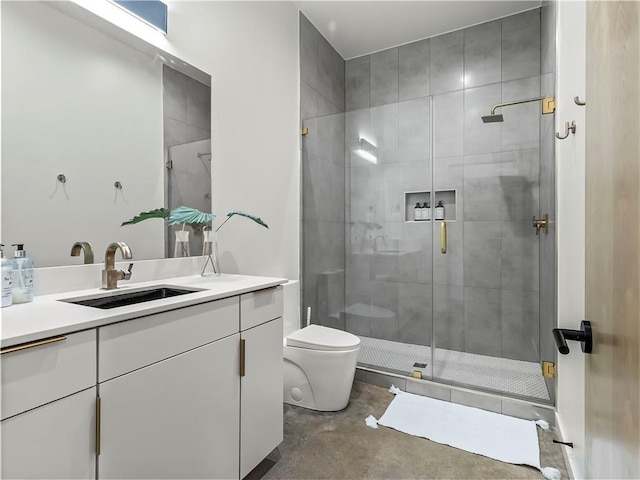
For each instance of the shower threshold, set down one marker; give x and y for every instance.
(514, 377)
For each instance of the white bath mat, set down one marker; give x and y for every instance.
(493, 435)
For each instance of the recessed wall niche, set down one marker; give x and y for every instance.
(412, 199)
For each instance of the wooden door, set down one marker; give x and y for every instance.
(612, 391)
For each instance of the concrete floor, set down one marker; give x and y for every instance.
(338, 445)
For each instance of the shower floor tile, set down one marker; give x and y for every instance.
(499, 374)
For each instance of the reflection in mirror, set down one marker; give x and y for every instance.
(79, 103)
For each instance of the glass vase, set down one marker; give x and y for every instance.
(181, 248)
(210, 252)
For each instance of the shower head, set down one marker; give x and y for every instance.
(548, 106)
(493, 118)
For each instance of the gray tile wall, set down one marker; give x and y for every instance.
(322, 102)
(186, 119)
(486, 290)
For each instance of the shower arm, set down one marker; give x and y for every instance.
(548, 104)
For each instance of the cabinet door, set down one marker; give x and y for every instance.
(174, 419)
(261, 398)
(56, 440)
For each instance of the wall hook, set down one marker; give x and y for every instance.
(62, 178)
(118, 185)
(568, 128)
(579, 102)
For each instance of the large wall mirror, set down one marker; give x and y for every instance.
(94, 132)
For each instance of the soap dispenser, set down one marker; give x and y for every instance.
(426, 208)
(417, 212)
(22, 275)
(6, 279)
(439, 211)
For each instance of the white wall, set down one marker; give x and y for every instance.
(251, 51)
(570, 171)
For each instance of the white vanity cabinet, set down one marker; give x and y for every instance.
(48, 408)
(191, 392)
(261, 424)
(169, 394)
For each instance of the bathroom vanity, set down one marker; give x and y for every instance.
(182, 387)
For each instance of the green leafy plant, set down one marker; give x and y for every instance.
(157, 213)
(189, 216)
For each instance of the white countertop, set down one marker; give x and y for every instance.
(46, 316)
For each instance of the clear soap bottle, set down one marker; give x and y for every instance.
(22, 275)
(439, 211)
(7, 281)
(417, 212)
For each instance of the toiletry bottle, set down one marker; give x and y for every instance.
(22, 275)
(6, 279)
(417, 212)
(427, 211)
(439, 211)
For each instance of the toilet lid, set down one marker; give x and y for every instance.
(316, 337)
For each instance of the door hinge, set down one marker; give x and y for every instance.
(98, 422)
(242, 357)
(169, 164)
(548, 369)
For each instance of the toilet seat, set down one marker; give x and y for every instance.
(317, 337)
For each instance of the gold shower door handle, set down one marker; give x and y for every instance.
(443, 237)
(541, 224)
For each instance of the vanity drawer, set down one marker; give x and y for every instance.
(43, 371)
(260, 307)
(136, 343)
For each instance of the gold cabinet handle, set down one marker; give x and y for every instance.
(38, 343)
(242, 357)
(443, 237)
(98, 422)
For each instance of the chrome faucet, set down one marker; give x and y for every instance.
(110, 275)
(86, 248)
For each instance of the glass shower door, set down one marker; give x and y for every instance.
(388, 260)
(486, 257)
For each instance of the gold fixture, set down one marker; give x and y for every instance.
(548, 369)
(416, 374)
(86, 248)
(110, 275)
(443, 237)
(24, 346)
(305, 130)
(541, 224)
(242, 357)
(548, 105)
(98, 422)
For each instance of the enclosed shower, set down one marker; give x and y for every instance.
(428, 230)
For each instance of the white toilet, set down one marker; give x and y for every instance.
(319, 363)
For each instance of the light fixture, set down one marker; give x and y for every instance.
(117, 15)
(367, 150)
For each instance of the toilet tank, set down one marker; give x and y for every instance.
(291, 300)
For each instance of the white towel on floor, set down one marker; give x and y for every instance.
(490, 434)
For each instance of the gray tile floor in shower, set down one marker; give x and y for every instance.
(514, 377)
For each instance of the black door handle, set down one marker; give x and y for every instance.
(584, 336)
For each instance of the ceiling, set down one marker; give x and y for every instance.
(356, 28)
